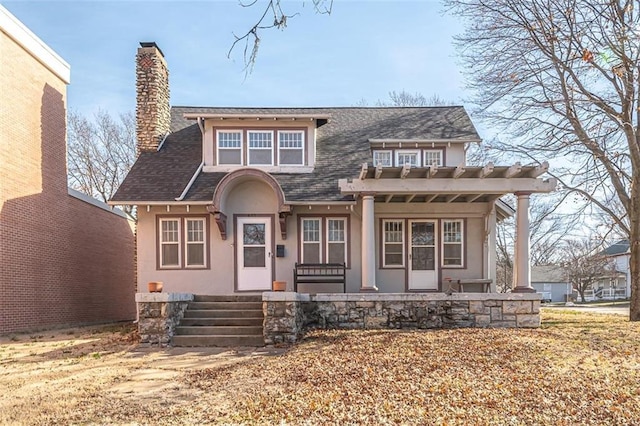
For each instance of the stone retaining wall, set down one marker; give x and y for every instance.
(158, 316)
(288, 314)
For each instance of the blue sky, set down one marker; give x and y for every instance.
(362, 50)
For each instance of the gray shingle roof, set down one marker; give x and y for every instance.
(342, 146)
(619, 247)
(548, 274)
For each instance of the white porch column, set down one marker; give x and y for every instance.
(522, 266)
(368, 245)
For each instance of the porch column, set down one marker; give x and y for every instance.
(368, 245)
(490, 248)
(522, 266)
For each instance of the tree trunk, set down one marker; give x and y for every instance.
(634, 247)
(581, 293)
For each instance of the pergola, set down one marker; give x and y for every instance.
(461, 184)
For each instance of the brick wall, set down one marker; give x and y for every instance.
(62, 260)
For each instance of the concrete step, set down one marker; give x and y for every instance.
(256, 322)
(228, 298)
(226, 305)
(217, 340)
(211, 313)
(239, 330)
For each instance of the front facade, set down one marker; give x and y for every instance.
(64, 257)
(230, 199)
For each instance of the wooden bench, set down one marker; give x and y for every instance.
(484, 283)
(320, 273)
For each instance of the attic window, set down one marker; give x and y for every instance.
(229, 147)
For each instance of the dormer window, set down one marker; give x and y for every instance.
(405, 156)
(291, 147)
(229, 147)
(433, 157)
(260, 148)
(382, 158)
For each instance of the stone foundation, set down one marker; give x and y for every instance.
(288, 314)
(158, 316)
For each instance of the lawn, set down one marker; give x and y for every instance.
(579, 368)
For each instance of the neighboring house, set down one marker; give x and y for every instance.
(64, 257)
(551, 281)
(620, 254)
(230, 199)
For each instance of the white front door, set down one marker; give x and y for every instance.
(423, 256)
(253, 251)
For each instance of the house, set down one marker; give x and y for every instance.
(620, 254)
(551, 281)
(231, 199)
(65, 258)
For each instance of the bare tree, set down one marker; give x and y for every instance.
(406, 99)
(100, 153)
(583, 266)
(562, 77)
(272, 15)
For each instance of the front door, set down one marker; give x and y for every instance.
(253, 253)
(423, 256)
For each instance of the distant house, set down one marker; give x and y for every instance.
(620, 254)
(551, 281)
(65, 258)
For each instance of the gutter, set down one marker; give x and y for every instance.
(193, 179)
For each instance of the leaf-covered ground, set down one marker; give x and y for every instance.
(578, 369)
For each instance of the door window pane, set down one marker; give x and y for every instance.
(254, 257)
(253, 234)
(422, 233)
(422, 258)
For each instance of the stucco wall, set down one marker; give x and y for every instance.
(62, 260)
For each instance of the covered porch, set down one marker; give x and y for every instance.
(441, 191)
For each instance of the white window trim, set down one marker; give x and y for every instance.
(326, 236)
(320, 235)
(273, 143)
(301, 132)
(162, 243)
(384, 243)
(218, 131)
(204, 242)
(408, 151)
(461, 243)
(424, 155)
(387, 151)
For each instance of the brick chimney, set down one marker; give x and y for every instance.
(153, 115)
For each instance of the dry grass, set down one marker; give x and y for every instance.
(577, 369)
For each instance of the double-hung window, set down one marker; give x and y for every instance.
(411, 157)
(291, 147)
(324, 239)
(382, 158)
(393, 243)
(182, 242)
(336, 240)
(195, 243)
(169, 243)
(260, 148)
(229, 146)
(452, 241)
(311, 240)
(432, 157)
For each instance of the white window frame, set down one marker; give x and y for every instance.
(461, 243)
(384, 243)
(416, 152)
(383, 151)
(302, 236)
(428, 151)
(249, 148)
(280, 148)
(163, 243)
(344, 240)
(187, 242)
(218, 148)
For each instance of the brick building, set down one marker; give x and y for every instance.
(64, 258)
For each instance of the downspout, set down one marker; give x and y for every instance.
(193, 179)
(199, 169)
